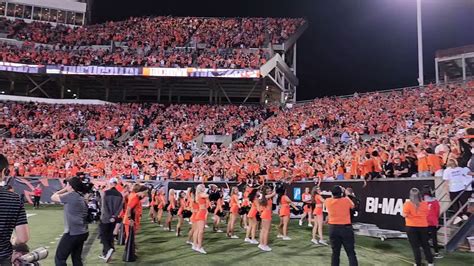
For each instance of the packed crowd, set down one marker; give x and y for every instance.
(149, 41)
(396, 134)
(164, 32)
(172, 58)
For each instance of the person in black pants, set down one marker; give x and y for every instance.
(75, 222)
(340, 227)
(112, 205)
(415, 212)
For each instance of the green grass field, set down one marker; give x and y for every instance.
(156, 246)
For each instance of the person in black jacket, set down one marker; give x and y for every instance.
(112, 205)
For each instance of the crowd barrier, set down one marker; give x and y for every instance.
(381, 200)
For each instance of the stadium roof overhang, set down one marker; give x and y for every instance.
(455, 63)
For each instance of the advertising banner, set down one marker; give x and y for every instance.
(164, 72)
(223, 73)
(130, 71)
(94, 70)
(22, 68)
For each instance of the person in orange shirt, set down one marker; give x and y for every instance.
(201, 199)
(234, 212)
(416, 212)
(161, 202)
(285, 204)
(265, 205)
(318, 216)
(307, 208)
(434, 163)
(193, 206)
(340, 227)
(131, 217)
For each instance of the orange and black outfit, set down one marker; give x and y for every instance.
(201, 214)
(133, 204)
(234, 204)
(318, 208)
(340, 229)
(284, 206)
(253, 210)
(266, 211)
(416, 221)
(219, 207)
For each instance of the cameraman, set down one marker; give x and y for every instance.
(12, 217)
(340, 227)
(75, 222)
(112, 205)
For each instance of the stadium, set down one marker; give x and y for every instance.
(201, 134)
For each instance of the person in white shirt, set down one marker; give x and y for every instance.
(459, 179)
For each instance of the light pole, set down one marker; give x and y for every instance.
(420, 43)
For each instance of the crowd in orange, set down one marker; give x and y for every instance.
(395, 134)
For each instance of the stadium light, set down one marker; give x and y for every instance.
(74, 95)
(68, 90)
(420, 43)
(2, 92)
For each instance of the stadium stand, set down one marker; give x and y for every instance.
(402, 133)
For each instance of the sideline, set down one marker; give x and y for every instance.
(93, 234)
(404, 259)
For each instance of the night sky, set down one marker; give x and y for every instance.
(350, 45)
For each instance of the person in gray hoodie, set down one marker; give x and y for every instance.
(112, 205)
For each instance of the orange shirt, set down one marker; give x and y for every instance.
(339, 210)
(434, 162)
(415, 217)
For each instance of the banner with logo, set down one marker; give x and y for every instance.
(22, 68)
(223, 73)
(129, 71)
(94, 70)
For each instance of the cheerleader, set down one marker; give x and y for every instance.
(234, 212)
(153, 205)
(218, 213)
(194, 207)
(181, 208)
(307, 209)
(160, 200)
(284, 213)
(244, 210)
(201, 198)
(252, 218)
(318, 216)
(171, 208)
(265, 205)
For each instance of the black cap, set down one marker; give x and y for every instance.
(336, 191)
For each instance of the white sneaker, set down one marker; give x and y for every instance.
(189, 242)
(102, 257)
(322, 242)
(160, 225)
(234, 237)
(254, 241)
(108, 256)
(286, 238)
(310, 225)
(264, 248)
(279, 236)
(219, 231)
(457, 220)
(314, 241)
(166, 229)
(201, 250)
(171, 230)
(464, 217)
(300, 222)
(247, 240)
(194, 248)
(206, 226)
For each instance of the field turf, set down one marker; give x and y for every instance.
(156, 246)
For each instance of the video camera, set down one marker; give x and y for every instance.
(30, 258)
